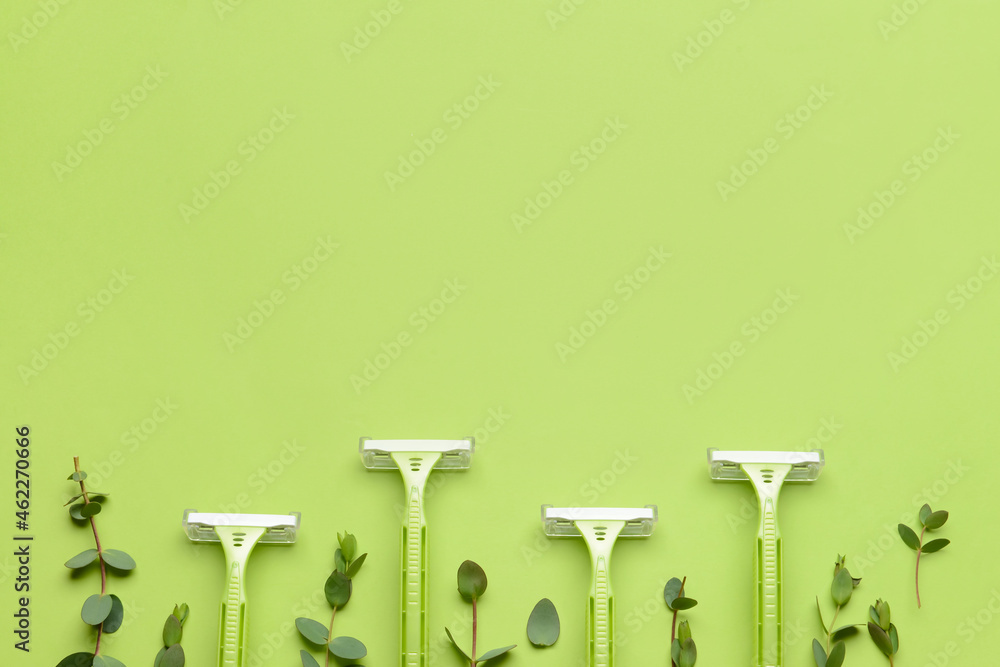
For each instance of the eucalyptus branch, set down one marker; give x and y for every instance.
(929, 520)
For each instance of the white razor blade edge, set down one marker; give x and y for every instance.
(560, 521)
(455, 454)
(728, 464)
(200, 526)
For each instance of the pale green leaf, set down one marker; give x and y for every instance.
(172, 631)
(458, 648)
(115, 618)
(118, 559)
(819, 654)
(338, 589)
(173, 657)
(82, 559)
(495, 653)
(96, 608)
(307, 659)
(842, 587)
(837, 654)
(347, 648)
(936, 520)
(543, 624)
(313, 631)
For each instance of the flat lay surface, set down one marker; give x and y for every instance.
(599, 238)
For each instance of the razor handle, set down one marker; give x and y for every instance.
(414, 638)
(767, 481)
(237, 543)
(600, 537)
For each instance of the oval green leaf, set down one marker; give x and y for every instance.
(935, 545)
(873, 614)
(82, 559)
(880, 638)
(347, 648)
(925, 511)
(356, 566)
(181, 611)
(495, 653)
(837, 654)
(458, 648)
(338, 561)
(689, 654)
(77, 660)
(675, 651)
(671, 591)
(680, 604)
(98, 661)
(90, 509)
(78, 476)
(543, 624)
(338, 590)
(118, 559)
(159, 657)
(842, 587)
(173, 657)
(884, 614)
(76, 511)
(845, 632)
(349, 546)
(936, 520)
(910, 538)
(819, 654)
(894, 638)
(313, 631)
(115, 618)
(471, 580)
(172, 631)
(110, 662)
(96, 608)
(684, 631)
(307, 659)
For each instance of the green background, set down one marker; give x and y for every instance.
(895, 434)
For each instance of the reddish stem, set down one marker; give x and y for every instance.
(329, 636)
(100, 552)
(673, 627)
(475, 628)
(916, 576)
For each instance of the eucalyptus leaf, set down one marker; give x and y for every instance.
(338, 561)
(458, 648)
(173, 657)
(684, 631)
(837, 654)
(313, 631)
(873, 614)
(842, 587)
(76, 511)
(471, 580)
(845, 632)
(159, 657)
(115, 618)
(543, 624)
(76, 497)
(671, 591)
(355, 566)
(936, 520)
(910, 538)
(347, 648)
(77, 660)
(884, 614)
(307, 659)
(118, 559)
(96, 608)
(90, 509)
(110, 662)
(819, 654)
(349, 546)
(925, 511)
(688, 655)
(338, 589)
(935, 545)
(82, 559)
(172, 631)
(680, 604)
(181, 611)
(98, 661)
(78, 476)
(894, 638)
(821, 621)
(880, 638)
(495, 653)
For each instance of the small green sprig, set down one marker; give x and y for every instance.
(683, 652)
(171, 654)
(338, 588)
(929, 520)
(103, 611)
(882, 630)
(471, 586)
(833, 652)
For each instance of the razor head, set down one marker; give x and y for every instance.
(561, 521)
(728, 464)
(455, 454)
(279, 528)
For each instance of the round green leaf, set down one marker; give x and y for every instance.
(96, 608)
(671, 591)
(115, 618)
(313, 631)
(347, 648)
(935, 545)
(82, 559)
(471, 580)
(910, 538)
(77, 660)
(118, 559)
(495, 653)
(936, 520)
(90, 509)
(159, 657)
(842, 587)
(172, 631)
(837, 654)
(680, 604)
(880, 638)
(173, 657)
(458, 648)
(307, 659)
(543, 624)
(925, 512)
(338, 590)
(78, 476)
(689, 654)
(76, 511)
(819, 654)
(110, 662)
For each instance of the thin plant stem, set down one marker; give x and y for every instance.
(833, 622)
(673, 627)
(100, 551)
(916, 576)
(475, 628)
(329, 636)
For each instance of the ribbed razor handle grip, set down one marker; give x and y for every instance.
(233, 620)
(414, 604)
(602, 625)
(768, 597)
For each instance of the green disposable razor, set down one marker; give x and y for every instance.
(600, 527)
(415, 459)
(238, 533)
(767, 471)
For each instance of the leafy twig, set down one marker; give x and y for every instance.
(683, 652)
(882, 630)
(471, 586)
(171, 654)
(929, 520)
(841, 590)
